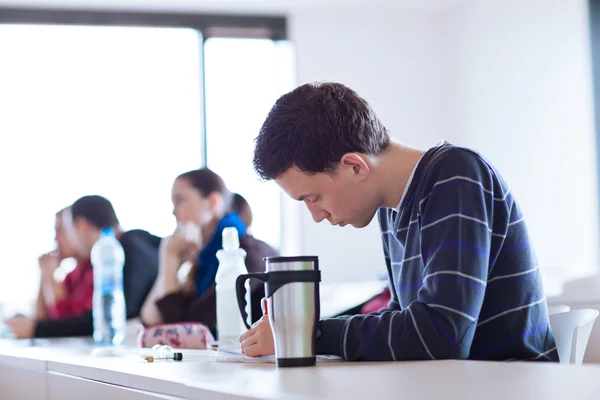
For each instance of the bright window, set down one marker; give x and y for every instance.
(244, 78)
(113, 111)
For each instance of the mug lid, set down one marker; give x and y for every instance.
(291, 259)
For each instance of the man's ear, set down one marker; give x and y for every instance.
(355, 164)
(80, 223)
(75, 230)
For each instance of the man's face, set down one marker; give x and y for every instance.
(341, 197)
(80, 233)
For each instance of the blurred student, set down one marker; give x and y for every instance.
(240, 206)
(65, 308)
(51, 290)
(202, 206)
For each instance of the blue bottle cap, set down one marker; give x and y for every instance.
(107, 232)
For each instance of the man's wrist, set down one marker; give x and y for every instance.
(329, 335)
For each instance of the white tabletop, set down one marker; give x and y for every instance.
(201, 375)
(412, 380)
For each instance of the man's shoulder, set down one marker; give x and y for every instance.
(450, 159)
(449, 162)
(140, 241)
(140, 235)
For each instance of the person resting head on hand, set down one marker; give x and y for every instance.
(203, 208)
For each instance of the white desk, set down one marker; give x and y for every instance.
(22, 377)
(71, 373)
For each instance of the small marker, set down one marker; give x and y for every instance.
(176, 357)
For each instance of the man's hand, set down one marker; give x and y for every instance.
(22, 327)
(258, 341)
(49, 262)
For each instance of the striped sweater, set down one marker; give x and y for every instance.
(464, 277)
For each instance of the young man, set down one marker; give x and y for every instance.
(464, 278)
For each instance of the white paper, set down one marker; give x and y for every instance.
(234, 356)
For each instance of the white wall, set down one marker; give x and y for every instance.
(523, 96)
(509, 78)
(390, 57)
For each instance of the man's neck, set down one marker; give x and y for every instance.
(394, 168)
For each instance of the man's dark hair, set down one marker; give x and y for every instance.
(313, 126)
(97, 210)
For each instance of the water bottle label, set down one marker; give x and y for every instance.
(108, 286)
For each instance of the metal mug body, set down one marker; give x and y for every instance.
(293, 311)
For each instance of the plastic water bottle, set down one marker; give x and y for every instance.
(108, 259)
(230, 324)
(6, 332)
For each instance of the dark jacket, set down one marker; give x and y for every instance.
(185, 307)
(139, 273)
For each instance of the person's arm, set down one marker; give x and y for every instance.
(75, 326)
(51, 291)
(166, 284)
(40, 304)
(325, 344)
(178, 307)
(455, 249)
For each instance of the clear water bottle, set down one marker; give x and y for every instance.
(108, 259)
(6, 332)
(231, 265)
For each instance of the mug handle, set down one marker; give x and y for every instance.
(240, 291)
